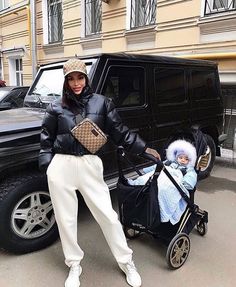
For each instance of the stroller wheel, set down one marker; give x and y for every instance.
(202, 228)
(178, 250)
(131, 233)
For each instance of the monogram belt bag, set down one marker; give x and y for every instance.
(89, 135)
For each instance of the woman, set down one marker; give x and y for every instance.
(71, 167)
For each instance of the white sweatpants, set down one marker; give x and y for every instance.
(68, 173)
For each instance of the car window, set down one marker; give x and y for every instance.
(48, 85)
(169, 85)
(204, 86)
(16, 97)
(125, 85)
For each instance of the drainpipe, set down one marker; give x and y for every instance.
(33, 42)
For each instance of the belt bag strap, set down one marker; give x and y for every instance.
(78, 118)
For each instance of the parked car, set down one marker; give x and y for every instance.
(155, 96)
(12, 97)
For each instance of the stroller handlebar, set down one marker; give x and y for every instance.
(159, 163)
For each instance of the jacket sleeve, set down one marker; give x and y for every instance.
(120, 134)
(47, 138)
(190, 178)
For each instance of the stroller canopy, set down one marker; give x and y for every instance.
(194, 136)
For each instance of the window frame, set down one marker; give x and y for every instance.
(168, 103)
(46, 22)
(138, 17)
(19, 71)
(4, 4)
(195, 98)
(92, 22)
(55, 37)
(209, 7)
(142, 100)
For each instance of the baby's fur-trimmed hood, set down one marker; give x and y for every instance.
(182, 147)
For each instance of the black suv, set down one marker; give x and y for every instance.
(155, 96)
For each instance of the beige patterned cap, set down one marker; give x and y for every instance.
(74, 65)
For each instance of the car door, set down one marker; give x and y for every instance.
(125, 83)
(170, 100)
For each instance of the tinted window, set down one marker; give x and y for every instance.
(169, 85)
(204, 85)
(16, 97)
(125, 85)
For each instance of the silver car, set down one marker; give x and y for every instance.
(12, 97)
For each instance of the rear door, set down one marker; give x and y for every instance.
(169, 101)
(207, 104)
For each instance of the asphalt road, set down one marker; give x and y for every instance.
(211, 262)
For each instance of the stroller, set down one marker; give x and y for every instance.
(139, 208)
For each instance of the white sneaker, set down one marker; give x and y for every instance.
(132, 276)
(73, 277)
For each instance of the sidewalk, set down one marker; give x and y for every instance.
(211, 261)
(227, 158)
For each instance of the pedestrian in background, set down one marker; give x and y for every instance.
(2, 83)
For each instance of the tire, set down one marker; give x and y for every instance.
(178, 250)
(202, 228)
(131, 233)
(27, 221)
(205, 172)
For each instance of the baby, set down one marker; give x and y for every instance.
(180, 155)
(181, 158)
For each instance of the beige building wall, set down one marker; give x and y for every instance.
(15, 34)
(181, 30)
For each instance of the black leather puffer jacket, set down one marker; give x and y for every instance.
(56, 134)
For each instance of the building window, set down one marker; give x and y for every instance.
(54, 21)
(3, 4)
(143, 13)
(19, 72)
(219, 6)
(93, 17)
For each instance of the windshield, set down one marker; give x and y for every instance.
(48, 85)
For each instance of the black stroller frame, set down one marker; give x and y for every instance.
(139, 212)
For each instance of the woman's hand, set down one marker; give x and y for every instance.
(153, 152)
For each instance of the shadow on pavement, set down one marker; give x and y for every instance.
(218, 183)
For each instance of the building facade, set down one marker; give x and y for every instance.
(42, 31)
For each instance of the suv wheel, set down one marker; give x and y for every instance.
(27, 221)
(211, 148)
